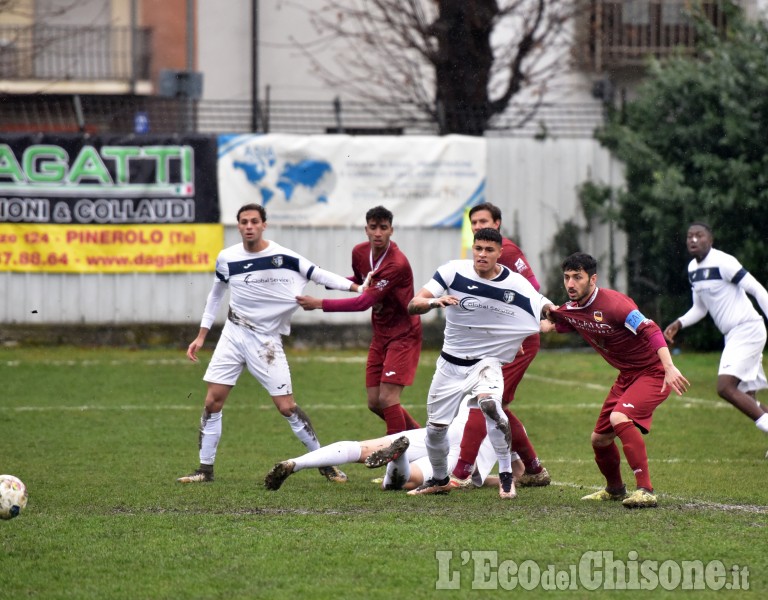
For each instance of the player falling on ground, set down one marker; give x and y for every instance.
(264, 279)
(489, 311)
(395, 347)
(489, 215)
(404, 454)
(611, 323)
(719, 286)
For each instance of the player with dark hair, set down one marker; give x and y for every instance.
(719, 286)
(393, 356)
(481, 216)
(264, 279)
(489, 311)
(612, 324)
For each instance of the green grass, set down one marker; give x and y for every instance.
(99, 437)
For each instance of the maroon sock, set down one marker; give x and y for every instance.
(410, 422)
(474, 433)
(634, 450)
(393, 416)
(608, 461)
(521, 444)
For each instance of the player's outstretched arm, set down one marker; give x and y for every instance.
(670, 331)
(309, 302)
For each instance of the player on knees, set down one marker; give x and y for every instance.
(489, 215)
(720, 285)
(264, 279)
(612, 324)
(386, 281)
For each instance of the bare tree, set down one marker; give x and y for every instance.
(457, 63)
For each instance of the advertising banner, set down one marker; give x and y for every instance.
(108, 203)
(331, 180)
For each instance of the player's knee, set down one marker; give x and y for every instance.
(600, 440)
(617, 418)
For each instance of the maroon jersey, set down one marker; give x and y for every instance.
(513, 257)
(390, 291)
(611, 323)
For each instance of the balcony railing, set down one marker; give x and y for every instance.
(626, 33)
(74, 53)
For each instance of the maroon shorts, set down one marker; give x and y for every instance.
(636, 396)
(514, 371)
(393, 361)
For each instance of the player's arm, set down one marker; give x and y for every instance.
(331, 281)
(356, 304)
(755, 289)
(648, 331)
(425, 301)
(695, 314)
(217, 292)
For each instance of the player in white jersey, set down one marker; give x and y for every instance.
(264, 279)
(720, 286)
(490, 310)
(405, 455)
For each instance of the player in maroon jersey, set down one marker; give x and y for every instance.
(612, 324)
(393, 356)
(481, 216)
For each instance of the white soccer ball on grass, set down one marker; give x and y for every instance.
(13, 496)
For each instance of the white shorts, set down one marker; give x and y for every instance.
(743, 355)
(451, 383)
(264, 356)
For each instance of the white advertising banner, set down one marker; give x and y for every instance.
(332, 180)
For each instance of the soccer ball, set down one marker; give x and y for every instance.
(13, 496)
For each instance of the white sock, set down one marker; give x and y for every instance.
(437, 450)
(302, 429)
(499, 440)
(210, 434)
(338, 453)
(400, 467)
(762, 423)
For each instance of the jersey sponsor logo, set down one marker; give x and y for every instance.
(469, 303)
(509, 296)
(628, 405)
(277, 261)
(248, 266)
(390, 373)
(472, 287)
(598, 314)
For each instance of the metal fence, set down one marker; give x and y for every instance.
(67, 52)
(111, 114)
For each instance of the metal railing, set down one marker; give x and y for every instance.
(105, 114)
(74, 52)
(626, 33)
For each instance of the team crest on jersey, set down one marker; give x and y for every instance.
(520, 265)
(380, 285)
(509, 297)
(598, 314)
(277, 261)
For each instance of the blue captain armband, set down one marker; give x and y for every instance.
(634, 320)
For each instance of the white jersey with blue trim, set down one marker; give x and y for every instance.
(493, 316)
(715, 284)
(264, 285)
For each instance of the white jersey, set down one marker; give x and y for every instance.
(719, 284)
(264, 285)
(493, 317)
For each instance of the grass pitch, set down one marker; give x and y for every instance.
(99, 437)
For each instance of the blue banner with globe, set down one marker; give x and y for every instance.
(331, 180)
